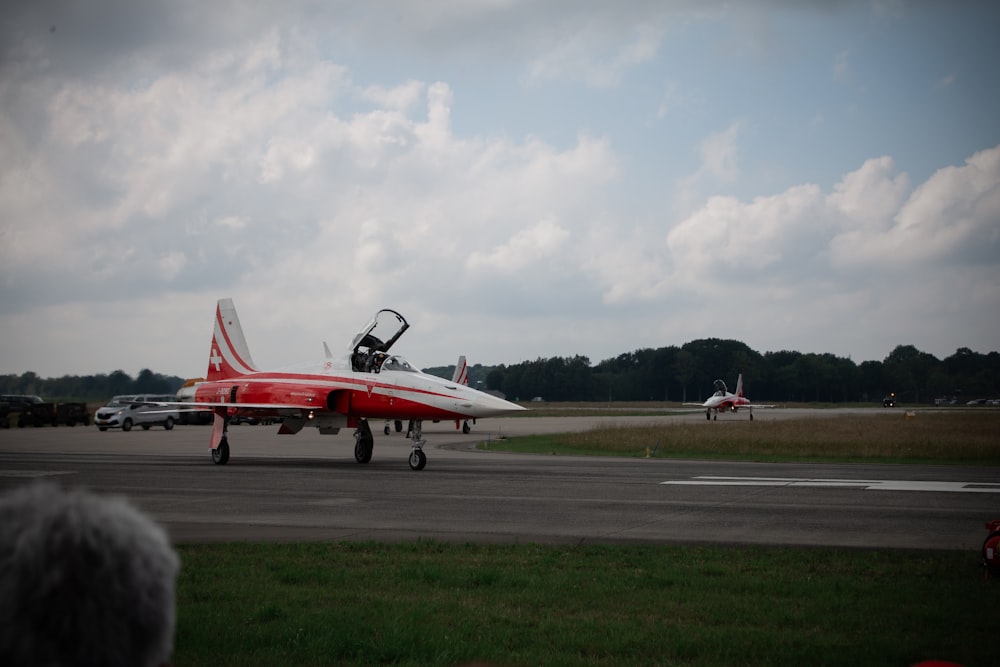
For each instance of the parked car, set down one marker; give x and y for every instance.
(72, 413)
(143, 410)
(31, 410)
(17, 402)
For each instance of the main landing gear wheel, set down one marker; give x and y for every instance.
(417, 459)
(364, 442)
(220, 455)
(466, 428)
(363, 452)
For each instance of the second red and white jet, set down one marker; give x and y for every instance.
(722, 400)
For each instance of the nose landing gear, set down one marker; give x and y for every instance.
(417, 457)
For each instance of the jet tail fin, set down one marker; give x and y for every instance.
(461, 374)
(739, 385)
(230, 355)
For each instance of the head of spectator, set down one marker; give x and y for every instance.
(84, 580)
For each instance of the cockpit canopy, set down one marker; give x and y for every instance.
(720, 388)
(370, 345)
(398, 363)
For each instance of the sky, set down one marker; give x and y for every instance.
(521, 179)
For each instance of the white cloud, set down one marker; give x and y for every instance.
(719, 157)
(401, 98)
(951, 217)
(285, 155)
(871, 220)
(171, 264)
(437, 130)
(584, 55)
(718, 166)
(869, 197)
(728, 241)
(523, 249)
(623, 263)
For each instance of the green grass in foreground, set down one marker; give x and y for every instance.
(927, 437)
(429, 603)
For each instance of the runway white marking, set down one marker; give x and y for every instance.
(865, 484)
(33, 473)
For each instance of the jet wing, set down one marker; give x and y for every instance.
(189, 406)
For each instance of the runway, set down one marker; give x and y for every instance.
(308, 488)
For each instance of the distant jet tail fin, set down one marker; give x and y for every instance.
(739, 386)
(229, 356)
(461, 374)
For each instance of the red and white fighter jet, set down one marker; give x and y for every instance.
(722, 399)
(366, 383)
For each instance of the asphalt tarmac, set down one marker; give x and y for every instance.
(308, 487)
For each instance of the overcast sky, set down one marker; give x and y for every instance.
(519, 178)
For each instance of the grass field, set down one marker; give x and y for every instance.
(429, 603)
(927, 437)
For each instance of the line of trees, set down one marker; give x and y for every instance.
(677, 374)
(90, 388)
(687, 373)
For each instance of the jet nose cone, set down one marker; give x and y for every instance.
(487, 405)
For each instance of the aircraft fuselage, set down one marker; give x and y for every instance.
(385, 395)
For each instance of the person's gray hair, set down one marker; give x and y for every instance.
(84, 580)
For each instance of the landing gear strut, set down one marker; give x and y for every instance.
(220, 453)
(364, 442)
(417, 457)
(397, 423)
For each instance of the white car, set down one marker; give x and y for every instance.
(124, 412)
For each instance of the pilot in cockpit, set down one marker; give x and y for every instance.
(376, 360)
(720, 388)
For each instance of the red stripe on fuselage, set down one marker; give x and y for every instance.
(309, 392)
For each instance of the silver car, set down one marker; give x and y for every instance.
(145, 410)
